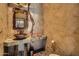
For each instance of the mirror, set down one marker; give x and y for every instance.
(20, 19)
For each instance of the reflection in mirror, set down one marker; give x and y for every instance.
(19, 23)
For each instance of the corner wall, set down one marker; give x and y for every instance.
(61, 24)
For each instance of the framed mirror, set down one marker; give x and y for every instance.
(20, 18)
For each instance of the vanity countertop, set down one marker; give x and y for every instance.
(10, 42)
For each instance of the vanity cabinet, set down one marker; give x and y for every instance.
(25, 47)
(12, 48)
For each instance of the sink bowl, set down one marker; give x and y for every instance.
(20, 36)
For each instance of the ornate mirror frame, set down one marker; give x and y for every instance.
(20, 17)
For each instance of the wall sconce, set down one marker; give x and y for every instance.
(53, 45)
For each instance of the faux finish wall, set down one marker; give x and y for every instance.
(3, 25)
(61, 24)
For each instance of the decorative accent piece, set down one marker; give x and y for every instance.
(22, 4)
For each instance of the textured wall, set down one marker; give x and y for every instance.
(61, 24)
(36, 12)
(3, 25)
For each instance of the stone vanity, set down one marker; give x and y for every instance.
(21, 47)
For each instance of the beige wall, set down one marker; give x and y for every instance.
(61, 24)
(3, 24)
